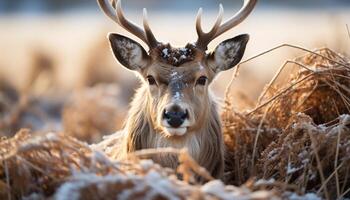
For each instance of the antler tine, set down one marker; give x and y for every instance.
(128, 25)
(205, 38)
(117, 15)
(149, 34)
(108, 9)
(237, 18)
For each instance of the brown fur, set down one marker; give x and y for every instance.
(174, 108)
(205, 145)
(176, 77)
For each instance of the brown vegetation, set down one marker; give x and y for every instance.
(295, 142)
(60, 166)
(94, 112)
(298, 134)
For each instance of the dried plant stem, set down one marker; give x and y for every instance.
(256, 140)
(336, 163)
(345, 99)
(319, 167)
(279, 94)
(271, 83)
(273, 49)
(345, 182)
(342, 195)
(277, 75)
(333, 174)
(7, 180)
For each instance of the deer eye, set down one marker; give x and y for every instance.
(151, 80)
(202, 80)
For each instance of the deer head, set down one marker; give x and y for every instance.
(177, 78)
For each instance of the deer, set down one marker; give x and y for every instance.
(174, 106)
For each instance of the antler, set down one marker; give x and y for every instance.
(205, 38)
(116, 14)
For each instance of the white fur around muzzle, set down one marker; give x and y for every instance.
(182, 130)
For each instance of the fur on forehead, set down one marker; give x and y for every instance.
(176, 56)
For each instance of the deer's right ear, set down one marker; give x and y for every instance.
(128, 52)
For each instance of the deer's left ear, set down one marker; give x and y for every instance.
(228, 53)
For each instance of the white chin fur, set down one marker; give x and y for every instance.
(176, 131)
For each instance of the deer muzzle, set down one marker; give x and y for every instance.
(175, 119)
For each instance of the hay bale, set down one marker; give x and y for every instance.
(320, 88)
(293, 123)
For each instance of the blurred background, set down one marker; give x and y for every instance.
(58, 74)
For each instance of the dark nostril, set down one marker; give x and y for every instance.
(166, 114)
(184, 115)
(175, 119)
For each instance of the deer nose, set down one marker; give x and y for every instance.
(175, 116)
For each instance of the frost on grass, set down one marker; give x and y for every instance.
(308, 196)
(151, 185)
(60, 167)
(299, 132)
(294, 145)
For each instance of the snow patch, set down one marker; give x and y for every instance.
(308, 196)
(165, 52)
(291, 169)
(264, 182)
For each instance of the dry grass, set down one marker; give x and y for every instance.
(25, 111)
(299, 132)
(295, 142)
(93, 112)
(59, 166)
